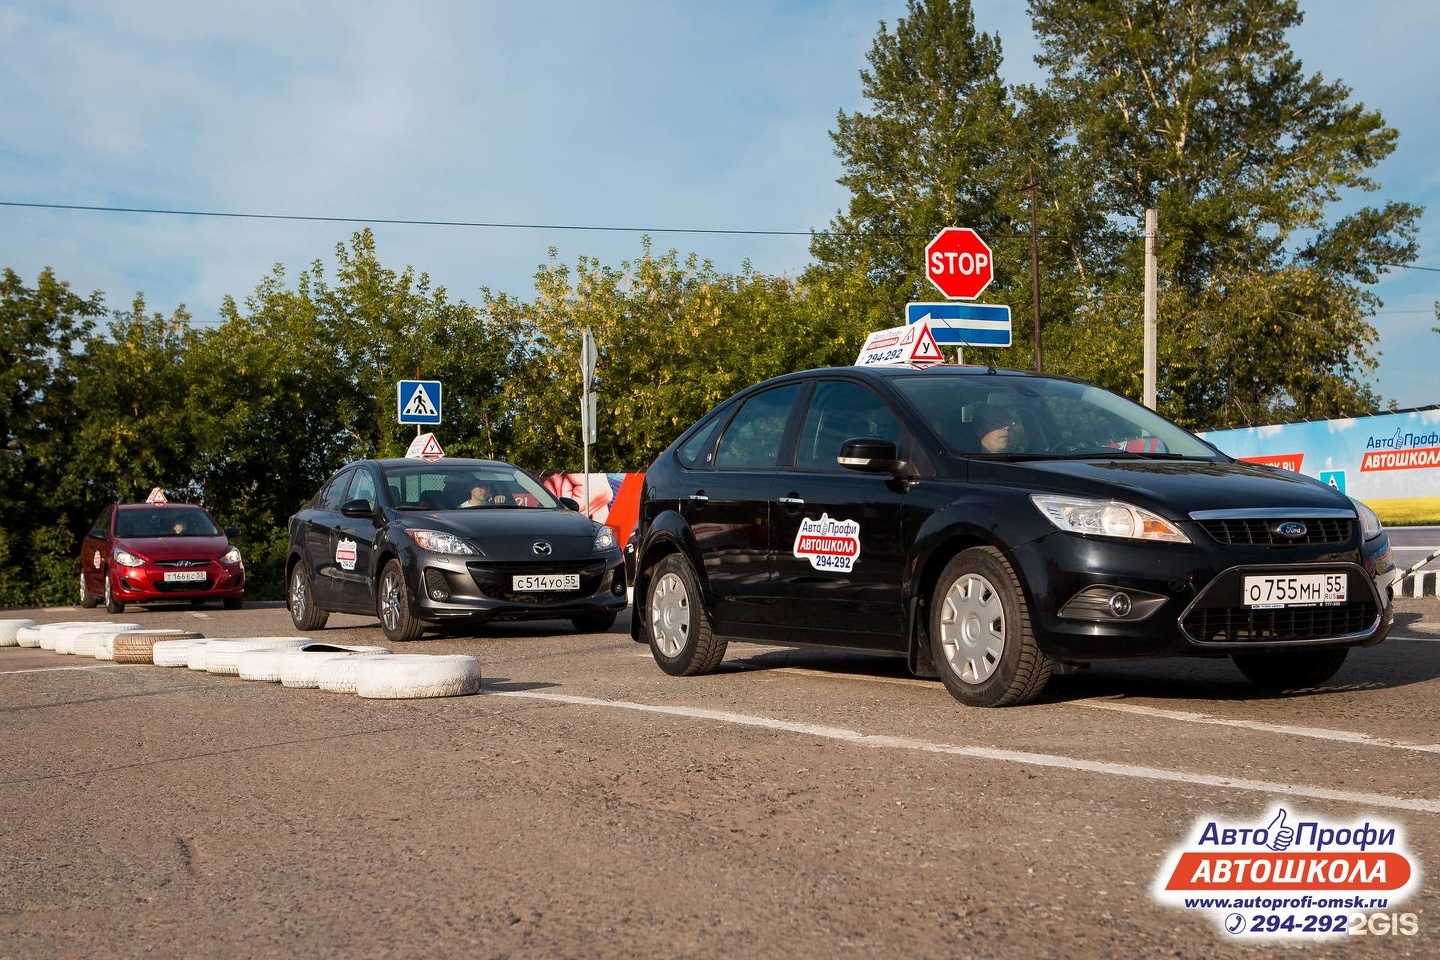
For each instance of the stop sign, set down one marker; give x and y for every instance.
(958, 262)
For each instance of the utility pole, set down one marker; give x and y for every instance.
(1152, 251)
(1033, 186)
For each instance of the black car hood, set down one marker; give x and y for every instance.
(510, 529)
(1175, 487)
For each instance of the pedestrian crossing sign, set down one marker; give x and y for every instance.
(418, 401)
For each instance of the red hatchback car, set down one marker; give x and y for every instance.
(151, 552)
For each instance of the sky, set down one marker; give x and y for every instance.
(582, 125)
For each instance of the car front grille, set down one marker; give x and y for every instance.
(1245, 625)
(1251, 531)
(494, 580)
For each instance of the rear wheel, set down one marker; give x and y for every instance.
(1291, 669)
(681, 638)
(88, 600)
(980, 634)
(393, 606)
(111, 604)
(303, 612)
(593, 622)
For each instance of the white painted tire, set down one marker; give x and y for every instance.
(222, 657)
(138, 646)
(301, 668)
(51, 634)
(195, 654)
(416, 676)
(28, 636)
(87, 642)
(261, 664)
(337, 674)
(173, 653)
(9, 629)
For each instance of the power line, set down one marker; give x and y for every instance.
(495, 225)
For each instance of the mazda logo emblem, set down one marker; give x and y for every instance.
(1292, 529)
(541, 548)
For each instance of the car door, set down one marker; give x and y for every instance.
(353, 544)
(318, 538)
(95, 553)
(840, 537)
(728, 510)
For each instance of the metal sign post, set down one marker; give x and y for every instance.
(588, 356)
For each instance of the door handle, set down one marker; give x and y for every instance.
(699, 499)
(791, 501)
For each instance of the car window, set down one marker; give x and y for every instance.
(698, 452)
(101, 527)
(160, 522)
(448, 486)
(841, 410)
(362, 487)
(333, 493)
(753, 438)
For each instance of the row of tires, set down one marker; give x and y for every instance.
(371, 672)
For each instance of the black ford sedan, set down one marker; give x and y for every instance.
(994, 527)
(420, 543)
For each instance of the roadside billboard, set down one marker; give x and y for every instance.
(1390, 461)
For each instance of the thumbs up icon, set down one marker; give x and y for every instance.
(1281, 835)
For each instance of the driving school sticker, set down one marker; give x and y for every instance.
(828, 544)
(345, 553)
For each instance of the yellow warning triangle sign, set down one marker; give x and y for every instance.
(925, 352)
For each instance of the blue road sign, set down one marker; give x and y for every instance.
(963, 324)
(418, 401)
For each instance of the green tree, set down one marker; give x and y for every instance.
(1201, 111)
(41, 329)
(939, 146)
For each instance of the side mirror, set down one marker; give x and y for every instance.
(358, 509)
(231, 533)
(571, 503)
(871, 455)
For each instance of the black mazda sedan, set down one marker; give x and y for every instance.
(420, 543)
(994, 527)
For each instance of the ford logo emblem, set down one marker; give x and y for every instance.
(1292, 529)
(541, 548)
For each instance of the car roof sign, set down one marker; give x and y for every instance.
(157, 496)
(425, 447)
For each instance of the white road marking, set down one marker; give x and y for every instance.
(1314, 733)
(989, 753)
(98, 666)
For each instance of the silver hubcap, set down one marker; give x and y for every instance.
(390, 601)
(972, 628)
(670, 615)
(298, 599)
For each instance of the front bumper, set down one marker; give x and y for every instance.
(446, 588)
(147, 583)
(1184, 599)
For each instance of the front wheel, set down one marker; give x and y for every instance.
(304, 612)
(88, 600)
(393, 603)
(111, 604)
(593, 622)
(980, 634)
(681, 639)
(1291, 669)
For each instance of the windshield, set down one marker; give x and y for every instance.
(1036, 417)
(164, 522)
(453, 486)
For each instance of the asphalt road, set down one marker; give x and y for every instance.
(795, 804)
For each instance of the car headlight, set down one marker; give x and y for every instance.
(231, 556)
(438, 541)
(604, 539)
(1370, 525)
(1108, 518)
(126, 559)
